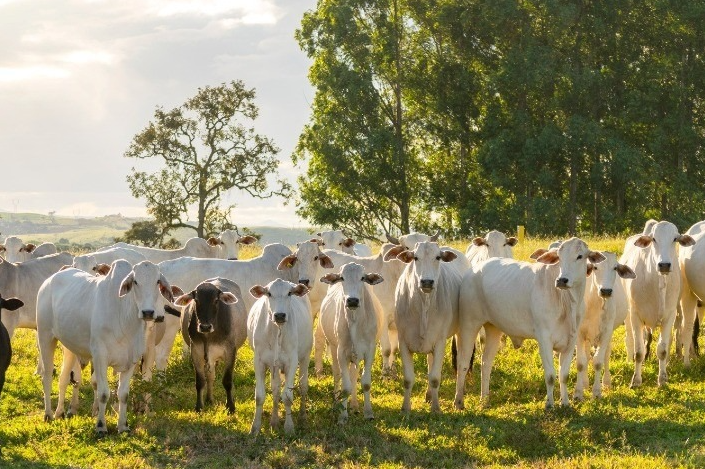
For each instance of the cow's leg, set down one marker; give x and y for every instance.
(688, 305)
(199, 367)
(288, 392)
(276, 383)
(429, 365)
(303, 385)
(638, 334)
(335, 366)
(607, 376)
(629, 339)
(564, 360)
(102, 390)
(601, 358)
(384, 344)
(260, 392)
(319, 347)
(434, 375)
(393, 348)
(581, 361)
(465, 343)
(549, 371)
(230, 354)
(67, 366)
(163, 348)
(407, 363)
(345, 385)
(493, 338)
(367, 383)
(47, 345)
(122, 393)
(76, 378)
(354, 376)
(210, 378)
(662, 348)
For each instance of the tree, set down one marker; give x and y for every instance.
(147, 233)
(208, 148)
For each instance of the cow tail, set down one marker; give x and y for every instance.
(649, 338)
(454, 354)
(696, 333)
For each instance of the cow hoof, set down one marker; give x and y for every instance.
(59, 415)
(459, 405)
(101, 432)
(124, 430)
(48, 418)
(578, 397)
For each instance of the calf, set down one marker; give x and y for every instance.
(214, 325)
(542, 301)
(280, 331)
(606, 309)
(350, 319)
(653, 295)
(103, 319)
(9, 304)
(426, 312)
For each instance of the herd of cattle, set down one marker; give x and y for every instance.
(123, 305)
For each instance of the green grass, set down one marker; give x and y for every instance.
(645, 428)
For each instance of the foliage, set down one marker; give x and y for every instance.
(145, 233)
(207, 148)
(577, 117)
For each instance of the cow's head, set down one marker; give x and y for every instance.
(308, 258)
(15, 249)
(497, 244)
(425, 262)
(336, 239)
(85, 262)
(10, 304)
(145, 283)
(408, 241)
(278, 295)
(204, 303)
(662, 239)
(352, 279)
(605, 273)
(229, 243)
(572, 257)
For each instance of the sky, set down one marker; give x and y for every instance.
(79, 78)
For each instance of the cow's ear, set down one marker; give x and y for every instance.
(214, 241)
(126, 284)
(406, 256)
(394, 252)
(538, 253)
(625, 271)
(685, 240)
(479, 241)
(512, 241)
(643, 241)
(325, 261)
(447, 256)
(348, 242)
(247, 239)
(319, 234)
(228, 298)
(185, 299)
(258, 291)
(29, 247)
(550, 257)
(331, 279)
(590, 268)
(11, 304)
(373, 278)
(2, 248)
(435, 237)
(299, 290)
(165, 288)
(288, 262)
(596, 257)
(102, 269)
(176, 291)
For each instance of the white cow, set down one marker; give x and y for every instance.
(194, 247)
(692, 264)
(384, 292)
(494, 244)
(335, 239)
(17, 251)
(351, 319)
(653, 295)
(280, 331)
(426, 312)
(408, 241)
(542, 301)
(89, 262)
(188, 272)
(102, 319)
(229, 242)
(606, 308)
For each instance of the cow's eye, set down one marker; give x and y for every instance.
(315, 258)
(288, 294)
(269, 294)
(675, 239)
(580, 256)
(438, 258)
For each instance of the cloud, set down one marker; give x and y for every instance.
(34, 72)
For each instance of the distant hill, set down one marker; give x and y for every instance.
(90, 233)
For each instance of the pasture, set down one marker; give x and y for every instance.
(646, 428)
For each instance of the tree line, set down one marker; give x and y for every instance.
(466, 115)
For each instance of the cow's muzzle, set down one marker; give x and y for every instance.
(304, 281)
(148, 314)
(352, 303)
(279, 318)
(664, 267)
(562, 283)
(232, 258)
(426, 285)
(605, 292)
(205, 328)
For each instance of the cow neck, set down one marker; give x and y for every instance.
(427, 299)
(355, 322)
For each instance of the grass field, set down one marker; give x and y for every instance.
(643, 428)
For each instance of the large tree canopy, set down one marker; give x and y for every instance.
(208, 146)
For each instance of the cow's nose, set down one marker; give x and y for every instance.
(148, 314)
(562, 282)
(279, 317)
(605, 292)
(427, 283)
(353, 302)
(664, 267)
(304, 281)
(205, 328)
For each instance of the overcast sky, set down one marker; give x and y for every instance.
(78, 79)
